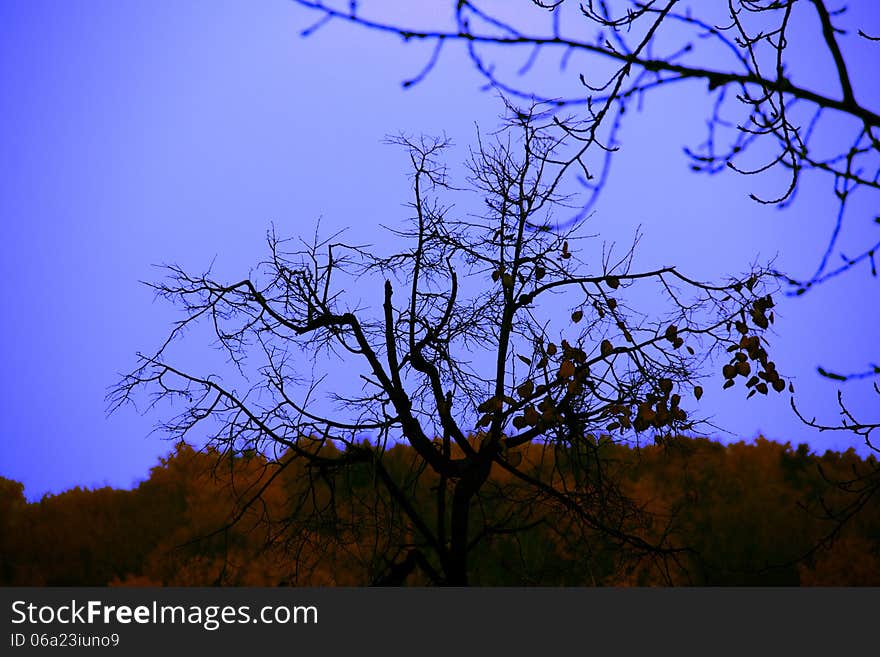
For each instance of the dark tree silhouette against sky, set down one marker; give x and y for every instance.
(460, 349)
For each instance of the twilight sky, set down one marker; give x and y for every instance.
(137, 133)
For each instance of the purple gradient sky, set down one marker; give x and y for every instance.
(138, 133)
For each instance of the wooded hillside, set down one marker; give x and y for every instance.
(747, 514)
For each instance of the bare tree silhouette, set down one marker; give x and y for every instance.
(490, 347)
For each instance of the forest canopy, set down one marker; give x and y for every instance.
(751, 514)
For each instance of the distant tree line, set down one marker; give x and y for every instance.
(744, 514)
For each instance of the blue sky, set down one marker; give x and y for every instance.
(135, 134)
